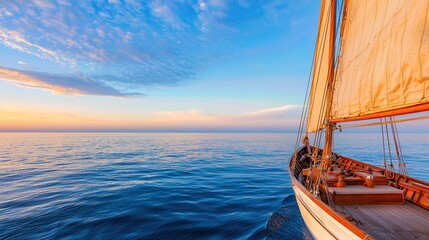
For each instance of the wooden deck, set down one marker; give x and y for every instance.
(381, 221)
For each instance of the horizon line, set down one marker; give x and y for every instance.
(190, 131)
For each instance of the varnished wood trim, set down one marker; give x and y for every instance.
(409, 185)
(407, 110)
(375, 168)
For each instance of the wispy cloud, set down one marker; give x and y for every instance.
(281, 117)
(44, 3)
(275, 9)
(276, 118)
(163, 11)
(15, 40)
(60, 84)
(276, 111)
(119, 45)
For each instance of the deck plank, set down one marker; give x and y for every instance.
(406, 221)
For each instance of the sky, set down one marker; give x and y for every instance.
(130, 65)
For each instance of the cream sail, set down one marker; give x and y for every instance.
(384, 61)
(374, 65)
(322, 65)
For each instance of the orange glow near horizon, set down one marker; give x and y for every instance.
(273, 119)
(45, 120)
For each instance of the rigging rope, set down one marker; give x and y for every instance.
(402, 167)
(392, 167)
(401, 163)
(384, 147)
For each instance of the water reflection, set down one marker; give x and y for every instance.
(161, 186)
(140, 186)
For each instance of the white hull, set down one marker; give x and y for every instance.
(320, 223)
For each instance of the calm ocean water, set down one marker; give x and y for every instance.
(161, 185)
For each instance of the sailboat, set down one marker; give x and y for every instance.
(370, 65)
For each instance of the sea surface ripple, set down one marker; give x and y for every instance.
(155, 185)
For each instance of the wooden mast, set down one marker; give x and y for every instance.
(330, 90)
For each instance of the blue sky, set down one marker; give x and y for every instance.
(154, 65)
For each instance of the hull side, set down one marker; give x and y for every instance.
(316, 229)
(318, 221)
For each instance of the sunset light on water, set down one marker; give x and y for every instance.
(214, 119)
